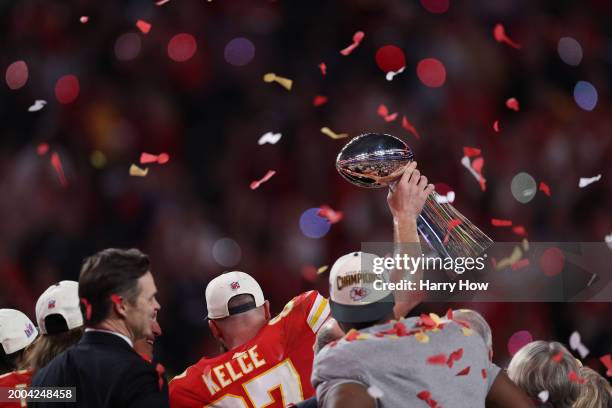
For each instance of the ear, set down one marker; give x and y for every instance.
(266, 306)
(118, 305)
(214, 329)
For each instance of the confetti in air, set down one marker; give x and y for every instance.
(384, 113)
(16, 75)
(269, 137)
(552, 261)
(520, 264)
(284, 82)
(67, 89)
(42, 149)
(255, 184)
(436, 6)
(475, 168)
(182, 47)
(585, 181)
(576, 344)
(322, 269)
(500, 36)
(330, 214)
(518, 340)
(323, 68)
(328, 132)
(38, 105)
(391, 74)
(496, 126)
(143, 26)
(501, 223)
(137, 171)
(357, 38)
(431, 72)
(409, 127)
(161, 2)
(152, 158)
(607, 362)
(543, 395)
(471, 151)
(57, 165)
(84, 19)
(390, 58)
(319, 100)
(543, 187)
(513, 104)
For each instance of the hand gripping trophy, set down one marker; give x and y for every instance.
(375, 160)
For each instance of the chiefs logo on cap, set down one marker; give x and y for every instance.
(358, 293)
(51, 304)
(235, 285)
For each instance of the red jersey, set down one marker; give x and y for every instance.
(16, 379)
(272, 369)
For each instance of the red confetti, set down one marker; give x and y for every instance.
(42, 149)
(520, 264)
(357, 38)
(424, 395)
(390, 58)
(518, 340)
(67, 89)
(309, 273)
(84, 19)
(454, 356)
(143, 26)
(425, 320)
(513, 104)
(573, 377)
(400, 329)
(544, 188)
(496, 126)
(408, 126)
(435, 6)
(607, 362)
(351, 335)
(465, 371)
(152, 158)
(483, 372)
(500, 36)
(438, 359)
(319, 100)
(449, 314)
(558, 357)
(323, 68)
(477, 165)
(500, 223)
(552, 261)
(255, 184)
(16, 75)
(182, 47)
(384, 113)
(471, 151)
(57, 165)
(519, 230)
(331, 215)
(431, 72)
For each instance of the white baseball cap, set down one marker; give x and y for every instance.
(352, 294)
(60, 299)
(16, 330)
(224, 287)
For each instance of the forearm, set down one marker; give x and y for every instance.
(406, 242)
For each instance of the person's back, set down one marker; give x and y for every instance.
(271, 369)
(408, 364)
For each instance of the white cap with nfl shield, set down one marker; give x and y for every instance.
(60, 299)
(16, 331)
(224, 287)
(352, 294)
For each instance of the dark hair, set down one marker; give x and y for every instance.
(108, 272)
(9, 362)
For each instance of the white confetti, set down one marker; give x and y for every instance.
(446, 199)
(543, 395)
(161, 2)
(577, 345)
(38, 105)
(84, 19)
(269, 137)
(584, 181)
(467, 164)
(608, 240)
(375, 392)
(392, 74)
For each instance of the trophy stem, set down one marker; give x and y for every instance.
(448, 232)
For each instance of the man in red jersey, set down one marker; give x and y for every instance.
(268, 362)
(17, 332)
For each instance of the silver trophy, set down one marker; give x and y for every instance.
(374, 160)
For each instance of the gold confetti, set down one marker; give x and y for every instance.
(328, 132)
(421, 337)
(137, 171)
(467, 332)
(435, 318)
(322, 269)
(363, 336)
(284, 82)
(515, 257)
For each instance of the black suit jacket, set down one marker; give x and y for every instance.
(106, 372)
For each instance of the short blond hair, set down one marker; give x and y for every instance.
(596, 392)
(534, 368)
